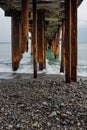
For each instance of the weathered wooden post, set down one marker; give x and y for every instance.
(24, 25)
(41, 40)
(32, 43)
(74, 40)
(57, 44)
(34, 37)
(46, 44)
(54, 46)
(63, 48)
(16, 40)
(71, 40)
(45, 48)
(50, 44)
(44, 40)
(68, 41)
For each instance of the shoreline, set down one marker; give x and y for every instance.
(15, 75)
(45, 103)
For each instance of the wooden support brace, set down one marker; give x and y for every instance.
(25, 25)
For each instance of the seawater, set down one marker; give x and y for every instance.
(52, 65)
(82, 59)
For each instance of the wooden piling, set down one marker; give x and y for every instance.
(46, 45)
(74, 40)
(68, 41)
(16, 39)
(25, 25)
(44, 39)
(53, 45)
(41, 40)
(63, 48)
(50, 43)
(57, 44)
(34, 37)
(45, 48)
(20, 37)
(32, 43)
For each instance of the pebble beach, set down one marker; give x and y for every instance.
(45, 103)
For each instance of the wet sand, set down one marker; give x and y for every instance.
(45, 103)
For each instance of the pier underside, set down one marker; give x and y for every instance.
(54, 12)
(44, 19)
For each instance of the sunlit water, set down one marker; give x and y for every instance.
(52, 65)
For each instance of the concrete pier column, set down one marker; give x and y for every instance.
(16, 41)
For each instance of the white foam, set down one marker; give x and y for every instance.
(26, 65)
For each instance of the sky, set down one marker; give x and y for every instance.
(5, 27)
(82, 22)
(5, 24)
